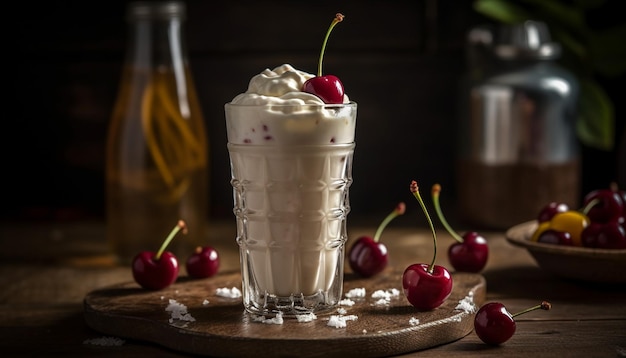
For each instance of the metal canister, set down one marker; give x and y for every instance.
(518, 147)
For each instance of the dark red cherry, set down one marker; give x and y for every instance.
(470, 255)
(426, 286)
(494, 325)
(328, 88)
(152, 273)
(551, 209)
(426, 289)
(204, 262)
(368, 256)
(609, 235)
(158, 270)
(470, 252)
(556, 237)
(603, 205)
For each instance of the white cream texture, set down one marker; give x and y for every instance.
(288, 115)
(288, 199)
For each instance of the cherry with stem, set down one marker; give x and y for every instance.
(426, 286)
(494, 325)
(158, 270)
(470, 252)
(328, 88)
(368, 256)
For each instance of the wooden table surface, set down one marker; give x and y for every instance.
(47, 269)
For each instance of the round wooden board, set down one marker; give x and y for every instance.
(222, 327)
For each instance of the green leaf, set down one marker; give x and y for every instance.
(501, 10)
(595, 125)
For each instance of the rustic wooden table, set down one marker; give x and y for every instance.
(46, 271)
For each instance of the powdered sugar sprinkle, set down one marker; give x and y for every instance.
(178, 312)
(467, 304)
(278, 319)
(356, 293)
(233, 292)
(338, 321)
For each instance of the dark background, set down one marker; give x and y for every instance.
(400, 60)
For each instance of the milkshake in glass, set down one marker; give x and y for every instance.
(291, 163)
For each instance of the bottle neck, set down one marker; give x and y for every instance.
(156, 44)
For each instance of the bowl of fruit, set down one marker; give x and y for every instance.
(587, 244)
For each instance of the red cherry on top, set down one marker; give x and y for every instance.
(368, 256)
(494, 325)
(470, 252)
(426, 287)
(204, 262)
(155, 271)
(328, 88)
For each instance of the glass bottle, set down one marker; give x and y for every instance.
(518, 144)
(157, 146)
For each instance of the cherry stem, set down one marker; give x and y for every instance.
(338, 18)
(545, 305)
(436, 189)
(416, 193)
(399, 210)
(591, 204)
(179, 226)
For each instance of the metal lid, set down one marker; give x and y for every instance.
(527, 40)
(141, 10)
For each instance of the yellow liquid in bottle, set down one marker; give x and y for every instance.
(156, 165)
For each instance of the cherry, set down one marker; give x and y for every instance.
(609, 235)
(494, 325)
(204, 262)
(551, 209)
(603, 205)
(368, 256)
(470, 252)
(425, 286)
(157, 271)
(329, 88)
(556, 237)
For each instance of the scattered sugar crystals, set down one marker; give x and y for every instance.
(341, 310)
(346, 302)
(339, 321)
(467, 304)
(105, 341)
(414, 321)
(356, 293)
(205, 302)
(385, 296)
(306, 317)
(278, 319)
(233, 292)
(178, 312)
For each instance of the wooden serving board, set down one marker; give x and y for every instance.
(222, 327)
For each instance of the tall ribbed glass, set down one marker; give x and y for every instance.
(291, 202)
